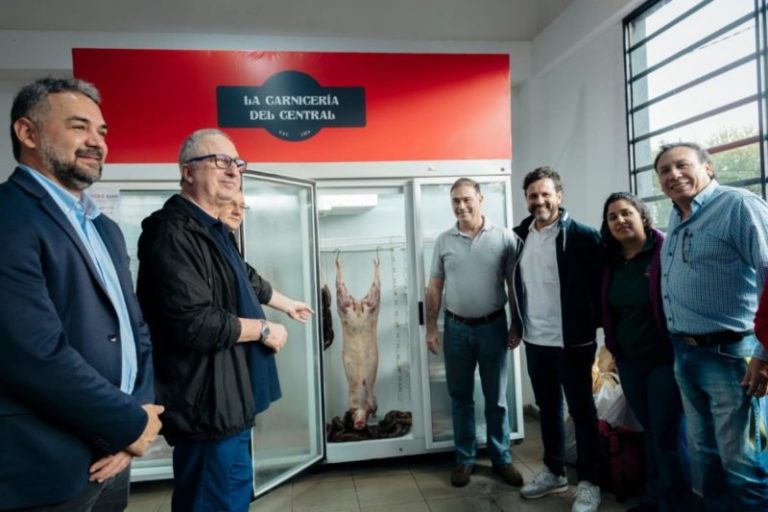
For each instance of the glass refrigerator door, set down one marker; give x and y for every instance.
(434, 215)
(368, 361)
(128, 204)
(279, 237)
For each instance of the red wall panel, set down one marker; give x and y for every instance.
(418, 106)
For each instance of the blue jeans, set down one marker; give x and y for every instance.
(553, 370)
(723, 421)
(483, 346)
(654, 397)
(213, 476)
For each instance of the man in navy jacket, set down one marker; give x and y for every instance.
(556, 284)
(214, 350)
(76, 381)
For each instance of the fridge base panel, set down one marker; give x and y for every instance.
(140, 474)
(373, 449)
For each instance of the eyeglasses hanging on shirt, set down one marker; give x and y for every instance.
(687, 243)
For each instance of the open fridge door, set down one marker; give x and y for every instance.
(279, 239)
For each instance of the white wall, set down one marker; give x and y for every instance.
(10, 83)
(570, 113)
(575, 122)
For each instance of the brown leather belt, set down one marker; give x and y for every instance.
(714, 338)
(475, 321)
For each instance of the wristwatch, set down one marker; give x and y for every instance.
(264, 331)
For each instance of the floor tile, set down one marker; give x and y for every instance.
(369, 471)
(491, 482)
(144, 505)
(529, 450)
(149, 490)
(325, 472)
(532, 431)
(325, 496)
(513, 502)
(416, 506)
(392, 490)
(527, 470)
(613, 506)
(410, 484)
(278, 500)
(327, 508)
(484, 481)
(466, 504)
(149, 496)
(437, 484)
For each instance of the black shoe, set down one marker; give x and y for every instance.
(460, 475)
(509, 474)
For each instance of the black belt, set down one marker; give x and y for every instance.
(714, 338)
(475, 321)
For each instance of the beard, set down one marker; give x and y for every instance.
(71, 175)
(543, 213)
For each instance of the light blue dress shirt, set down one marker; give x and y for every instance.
(81, 213)
(714, 263)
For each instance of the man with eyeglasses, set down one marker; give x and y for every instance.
(213, 348)
(714, 264)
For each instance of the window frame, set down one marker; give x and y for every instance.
(759, 56)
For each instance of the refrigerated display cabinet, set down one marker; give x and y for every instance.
(293, 232)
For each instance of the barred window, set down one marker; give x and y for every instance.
(695, 71)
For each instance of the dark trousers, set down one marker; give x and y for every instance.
(555, 370)
(213, 476)
(654, 397)
(108, 496)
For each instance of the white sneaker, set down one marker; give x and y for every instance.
(587, 497)
(544, 482)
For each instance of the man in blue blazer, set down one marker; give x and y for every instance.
(76, 381)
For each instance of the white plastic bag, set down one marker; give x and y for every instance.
(612, 405)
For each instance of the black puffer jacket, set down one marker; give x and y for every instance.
(188, 295)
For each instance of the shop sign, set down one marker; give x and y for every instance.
(291, 106)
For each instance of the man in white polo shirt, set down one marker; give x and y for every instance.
(471, 262)
(556, 284)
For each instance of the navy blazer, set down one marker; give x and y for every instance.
(61, 407)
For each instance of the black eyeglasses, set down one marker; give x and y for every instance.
(222, 161)
(687, 242)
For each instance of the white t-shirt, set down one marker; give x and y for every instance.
(543, 319)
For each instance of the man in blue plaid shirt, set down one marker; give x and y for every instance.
(714, 263)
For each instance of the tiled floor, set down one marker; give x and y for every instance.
(414, 484)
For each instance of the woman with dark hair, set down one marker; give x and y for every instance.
(636, 334)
